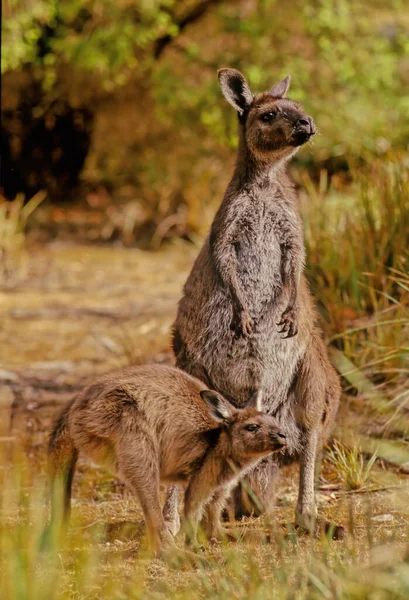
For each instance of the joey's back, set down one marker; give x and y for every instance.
(159, 400)
(171, 409)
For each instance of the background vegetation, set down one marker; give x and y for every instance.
(126, 92)
(116, 138)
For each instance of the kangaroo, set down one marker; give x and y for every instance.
(155, 423)
(246, 320)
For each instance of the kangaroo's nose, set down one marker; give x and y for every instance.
(303, 122)
(308, 123)
(278, 440)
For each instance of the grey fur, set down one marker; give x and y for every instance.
(246, 321)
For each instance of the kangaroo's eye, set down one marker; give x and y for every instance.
(252, 427)
(268, 116)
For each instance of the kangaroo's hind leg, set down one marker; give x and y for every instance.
(318, 391)
(211, 523)
(255, 494)
(138, 464)
(171, 509)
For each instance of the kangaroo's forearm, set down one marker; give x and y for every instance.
(290, 275)
(291, 285)
(226, 266)
(236, 293)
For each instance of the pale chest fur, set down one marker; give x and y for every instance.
(266, 224)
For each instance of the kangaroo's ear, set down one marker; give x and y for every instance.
(235, 89)
(279, 90)
(256, 401)
(220, 409)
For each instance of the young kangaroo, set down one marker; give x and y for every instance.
(246, 321)
(155, 423)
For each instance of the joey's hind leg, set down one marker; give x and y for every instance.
(143, 477)
(210, 523)
(171, 509)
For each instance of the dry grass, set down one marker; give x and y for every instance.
(103, 556)
(13, 221)
(350, 465)
(81, 311)
(357, 246)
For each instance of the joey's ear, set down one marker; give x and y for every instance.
(256, 401)
(220, 409)
(235, 89)
(279, 90)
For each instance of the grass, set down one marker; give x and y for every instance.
(101, 559)
(357, 242)
(13, 221)
(350, 465)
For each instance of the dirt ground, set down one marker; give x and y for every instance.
(84, 310)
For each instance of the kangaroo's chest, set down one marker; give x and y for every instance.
(262, 231)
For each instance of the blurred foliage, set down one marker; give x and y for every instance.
(102, 36)
(349, 62)
(357, 242)
(148, 72)
(368, 226)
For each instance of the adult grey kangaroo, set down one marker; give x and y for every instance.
(247, 319)
(155, 423)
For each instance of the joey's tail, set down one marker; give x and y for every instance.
(62, 458)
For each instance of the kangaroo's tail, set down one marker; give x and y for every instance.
(62, 458)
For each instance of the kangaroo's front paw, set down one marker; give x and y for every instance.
(242, 324)
(289, 323)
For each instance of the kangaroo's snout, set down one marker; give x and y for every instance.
(278, 440)
(306, 123)
(304, 129)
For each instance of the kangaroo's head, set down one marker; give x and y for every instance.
(272, 126)
(247, 433)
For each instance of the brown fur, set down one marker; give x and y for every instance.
(155, 423)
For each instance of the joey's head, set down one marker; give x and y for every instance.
(249, 433)
(272, 126)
